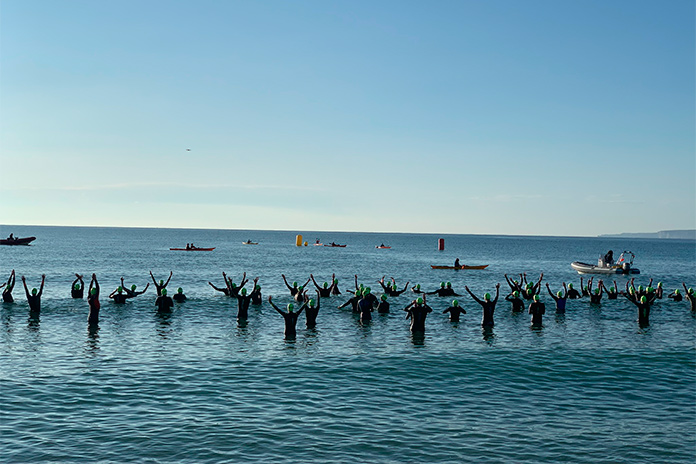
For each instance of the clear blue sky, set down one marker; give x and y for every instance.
(493, 117)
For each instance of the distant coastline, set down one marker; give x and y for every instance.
(689, 234)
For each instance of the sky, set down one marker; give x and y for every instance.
(539, 117)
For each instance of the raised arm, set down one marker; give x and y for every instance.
(551, 293)
(144, 290)
(473, 296)
(170, 278)
(43, 281)
(218, 289)
(286, 282)
(274, 306)
(497, 291)
(153, 279)
(311, 276)
(26, 290)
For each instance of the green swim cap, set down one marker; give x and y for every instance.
(536, 297)
(384, 297)
(611, 289)
(515, 293)
(640, 288)
(34, 291)
(691, 291)
(161, 282)
(442, 285)
(290, 307)
(133, 287)
(650, 289)
(596, 291)
(631, 290)
(180, 290)
(92, 292)
(326, 284)
(487, 296)
(515, 282)
(257, 287)
(449, 284)
(164, 292)
(643, 299)
(294, 284)
(388, 285)
(233, 285)
(76, 287)
(366, 292)
(559, 294)
(419, 300)
(119, 289)
(243, 291)
(335, 281)
(455, 303)
(570, 285)
(676, 292)
(417, 286)
(585, 288)
(300, 288)
(311, 303)
(659, 284)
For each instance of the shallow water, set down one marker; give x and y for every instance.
(196, 386)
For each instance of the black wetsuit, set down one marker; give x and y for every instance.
(93, 301)
(454, 312)
(417, 314)
(383, 307)
(179, 297)
(243, 302)
(78, 293)
(488, 310)
(324, 292)
(596, 298)
(537, 310)
(34, 303)
(7, 295)
(674, 296)
(445, 292)
(353, 303)
(290, 323)
(365, 309)
(311, 316)
(517, 304)
(560, 304)
(256, 298)
(119, 298)
(573, 294)
(164, 304)
(692, 301)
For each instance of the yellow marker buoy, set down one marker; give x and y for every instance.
(298, 240)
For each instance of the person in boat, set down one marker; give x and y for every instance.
(93, 301)
(290, 318)
(317, 242)
(609, 258)
(560, 298)
(326, 289)
(131, 292)
(675, 295)
(487, 305)
(11, 237)
(295, 288)
(418, 311)
(572, 293)
(612, 292)
(690, 296)
(537, 309)
(188, 246)
(383, 305)
(596, 295)
(454, 311)
(164, 303)
(34, 298)
(365, 306)
(517, 302)
(78, 287)
(416, 289)
(311, 309)
(179, 296)
(162, 284)
(118, 296)
(456, 264)
(643, 308)
(9, 286)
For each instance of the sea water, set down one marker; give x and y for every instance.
(197, 386)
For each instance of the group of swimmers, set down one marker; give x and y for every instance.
(363, 302)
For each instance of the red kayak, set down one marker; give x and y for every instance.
(335, 245)
(383, 247)
(17, 241)
(192, 249)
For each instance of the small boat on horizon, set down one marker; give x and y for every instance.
(12, 240)
(463, 266)
(249, 242)
(192, 248)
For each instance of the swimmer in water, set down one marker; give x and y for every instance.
(537, 310)
(416, 289)
(517, 302)
(675, 295)
(234, 289)
(335, 290)
(612, 293)
(643, 309)
(131, 292)
(78, 287)
(179, 296)
(690, 296)
(243, 302)
(444, 290)
(256, 298)
(659, 291)
(164, 303)
(572, 293)
(383, 305)
(295, 288)
(560, 298)
(454, 311)
(365, 307)
(487, 305)
(596, 295)
(162, 284)
(118, 296)
(325, 290)
(7, 291)
(531, 289)
(514, 285)
(391, 290)
(311, 309)
(93, 301)
(583, 288)
(290, 318)
(225, 290)
(418, 311)
(353, 302)
(34, 299)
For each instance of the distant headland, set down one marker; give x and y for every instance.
(689, 234)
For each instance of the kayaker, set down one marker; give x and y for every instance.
(162, 284)
(290, 318)
(164, 303)
(418, 311)
(690, 296)
(454, 311)
(34, 298)
(537, 310)
(456, 264)
(487, 305)
(517, 302)
(295, 288)
(78, 287)
(560, 298)
(93, 301)
(179, 296)
(9, 286)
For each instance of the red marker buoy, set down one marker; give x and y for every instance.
(441, 244)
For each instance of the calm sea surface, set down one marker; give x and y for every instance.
(198, 387)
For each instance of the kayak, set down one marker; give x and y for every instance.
(192, 249)
(250, 243)
(383, 247)
(335, 245)
(17, 241)
(584, 268)
(463, 266)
